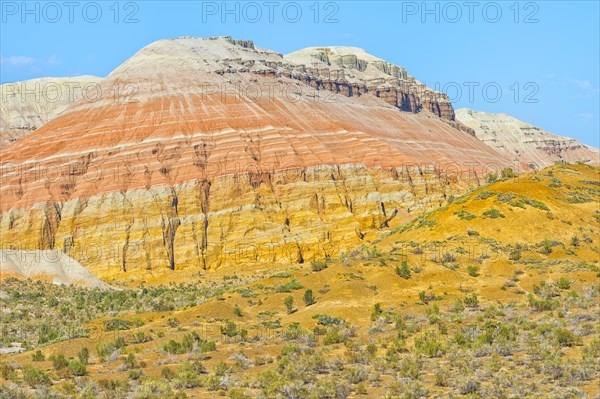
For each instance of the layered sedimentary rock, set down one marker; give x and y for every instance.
(52, 266)
(366, 73)
(27, 105)
(529, 145)
(217, 153)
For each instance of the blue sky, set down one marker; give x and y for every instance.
(538, 61)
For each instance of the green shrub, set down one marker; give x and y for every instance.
(288, 287)
(59, 362)
(318, 265)
(565, 337)
(84, 355)
(120, 324)
(508, 173)
(491, 177)
(473, 270)
(575, 241)
(464, 215)
(493, 214)
(237, 311)
(309, 298)
(289, 304)
(564, 283)
(471, 301)
(403, 271)
(326, 320)
(76, 368)
(35, 377)
(38, 356)
(430, 344)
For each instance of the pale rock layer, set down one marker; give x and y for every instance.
(27, 105)
(524, 143)
(52, 266)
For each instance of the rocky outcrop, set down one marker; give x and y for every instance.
(524, 143)
(27, 105)
(369, 74)
(51, 266)
(219, 156)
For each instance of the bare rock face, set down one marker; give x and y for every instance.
(221, 153)
(371, 74)
(529, 145)
(27, 105)
(52, 266)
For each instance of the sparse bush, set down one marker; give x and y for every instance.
(473, 270)
(508, 173)
(35, 377)
(59, 362)
(493, 214)
(403, 270)
(289, 304)
(76, 368)
(38, 356)
(288, 287)
(237, 311)
(318, 265)
(309, 298)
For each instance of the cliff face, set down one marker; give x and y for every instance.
(529, 145)
(221, 155)
(374, 75)
(27, 105)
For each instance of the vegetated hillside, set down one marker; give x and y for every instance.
(470, 301)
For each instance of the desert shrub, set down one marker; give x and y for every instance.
(575, 241)
(185, 346)
(84, 355)
(135, 374)
(564, 283)
(448, 257)
(493, 214)
(38, 356)
(485, 194)
(34, 377)
(237, 311)
(120, 324)
(288, 287)
(508, 173)
(334, 335)
(318, 265)
(139, 337)
(326, 320)
(230, 329)
(76, 368)
(471, 301)
(491, 177)
(473, 270)
(309, 298)
(59, 362)
(289, 304)
(403, 270)
(546, 246)
(565, 337)
(430, 344)
(464, 215)
(541, 305)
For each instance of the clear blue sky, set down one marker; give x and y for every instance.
(549, 50)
